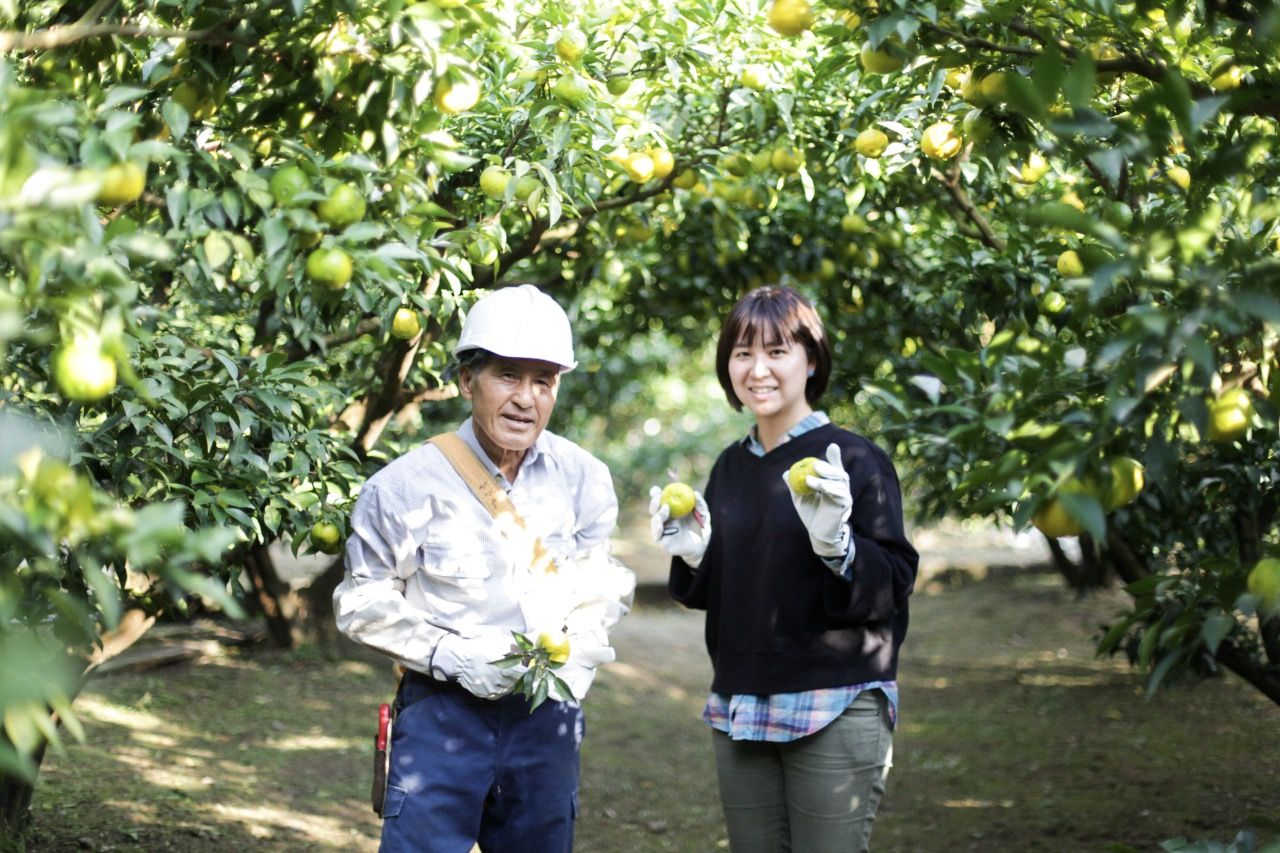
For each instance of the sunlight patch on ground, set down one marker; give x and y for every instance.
(264, 822)
(635, 676)
(297, 743)
(977, 804)
(1045, 679)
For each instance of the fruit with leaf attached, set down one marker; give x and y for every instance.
(342, 207)
(82, 371)
(871, 142)
(940, 141)
(1230, 414)
(405, 324)
(570, 90)
(526, 186)
(555, 644)
(1053, 520)
(1127, 480)
(790, 17)
(678, 498)
(287, 182)
(493, 182)
(121, 183)
(326, 537)
(329, 268)
(799, 473)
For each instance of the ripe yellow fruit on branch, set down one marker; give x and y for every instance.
(1227, 79)
(405, 324)
(493, 182)
(1230, 415)
(1181, 177)
(571, 44)
(1127, 480)
(790, 17)
(678, 498)
(1034, 169)
(663, 162)
(1070, 265)
(1053, 520)
(121, 184)
(787, 160)
(798, 475)
(940, 141)
(342, 207)
(871, 142)
(1264, 582)
(639, 166)
(879, 61)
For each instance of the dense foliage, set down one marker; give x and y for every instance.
(237, 237)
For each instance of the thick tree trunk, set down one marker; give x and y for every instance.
(1266, 679)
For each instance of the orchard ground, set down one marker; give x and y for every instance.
(1013, 736)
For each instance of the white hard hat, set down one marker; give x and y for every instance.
(518, 322)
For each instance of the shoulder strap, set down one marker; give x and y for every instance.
(490, 494)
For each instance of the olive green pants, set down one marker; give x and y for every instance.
(816, 794)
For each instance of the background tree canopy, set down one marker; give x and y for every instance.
(236, 241)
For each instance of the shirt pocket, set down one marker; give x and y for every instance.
(454, 562)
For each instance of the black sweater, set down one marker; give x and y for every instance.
(778, 619)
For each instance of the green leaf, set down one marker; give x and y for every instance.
(1215, 629)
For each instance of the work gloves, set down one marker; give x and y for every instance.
(468, 661)
(685, 537)
(825, 511)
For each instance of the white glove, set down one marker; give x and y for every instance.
(825, 511)
(469, 661)
(685, 537)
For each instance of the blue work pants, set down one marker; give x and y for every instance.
(466, 770)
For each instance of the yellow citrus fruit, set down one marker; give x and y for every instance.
(1127, 480)
(82, 371)
(329, 268)
(685, 180)
(405, 324)
(1230, 415)
(1264, 582)
(790, 17)
(798, 475)
(1070, 265)
(639, 166)
(1181, 177)
(663, 162)
(493, 182)
(1228, 79)
(940, 141)
(571, 44)
(453, 96)
(121, 183)
(787, 160)
(852, 223)
(1053, 302)
(1053, 520)
(286, 182)
(1034, 169)
(555, 644)
(326, 537)
(879, 61)
(755, 77)
(678, 498)
(994, 87)
(871, 142)
(342, 207)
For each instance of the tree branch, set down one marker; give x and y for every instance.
(961, 198)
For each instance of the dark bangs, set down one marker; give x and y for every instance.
(775, 314)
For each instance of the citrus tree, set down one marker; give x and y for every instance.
(238, 237)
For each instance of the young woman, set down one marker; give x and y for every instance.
(806, 594)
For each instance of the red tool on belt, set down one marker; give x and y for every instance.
(381, 757)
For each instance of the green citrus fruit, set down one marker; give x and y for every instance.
(798, 475)
(678, 498)
(1230, 414)
(871, 142)
(329, 268)
(1127, 480)
(82, 371)
(570, 90)
(879, 61)
(571, 44)
(326, 537)
(1053, 520)
(287, 182)
(527, 185)
(344, 206)
(1264, 582)
(493, 182)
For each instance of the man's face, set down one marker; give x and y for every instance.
(511, 402)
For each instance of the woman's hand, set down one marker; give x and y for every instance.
(825, 510)
(685, 537)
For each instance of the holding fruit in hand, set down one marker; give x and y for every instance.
(679, 521)
(820, 493)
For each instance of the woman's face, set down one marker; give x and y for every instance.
(769, 379)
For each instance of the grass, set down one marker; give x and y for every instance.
(1013, 737)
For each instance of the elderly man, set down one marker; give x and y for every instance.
(438, 579)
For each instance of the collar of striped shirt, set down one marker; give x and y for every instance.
(813, 420)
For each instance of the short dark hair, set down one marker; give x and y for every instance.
(775, 314)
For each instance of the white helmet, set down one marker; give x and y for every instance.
(518, 322)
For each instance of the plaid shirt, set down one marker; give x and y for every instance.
(782, 717)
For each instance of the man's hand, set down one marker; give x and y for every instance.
(469, 661)
(825, 511)
(685, 537)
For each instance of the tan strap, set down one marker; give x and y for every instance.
(477, 477)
